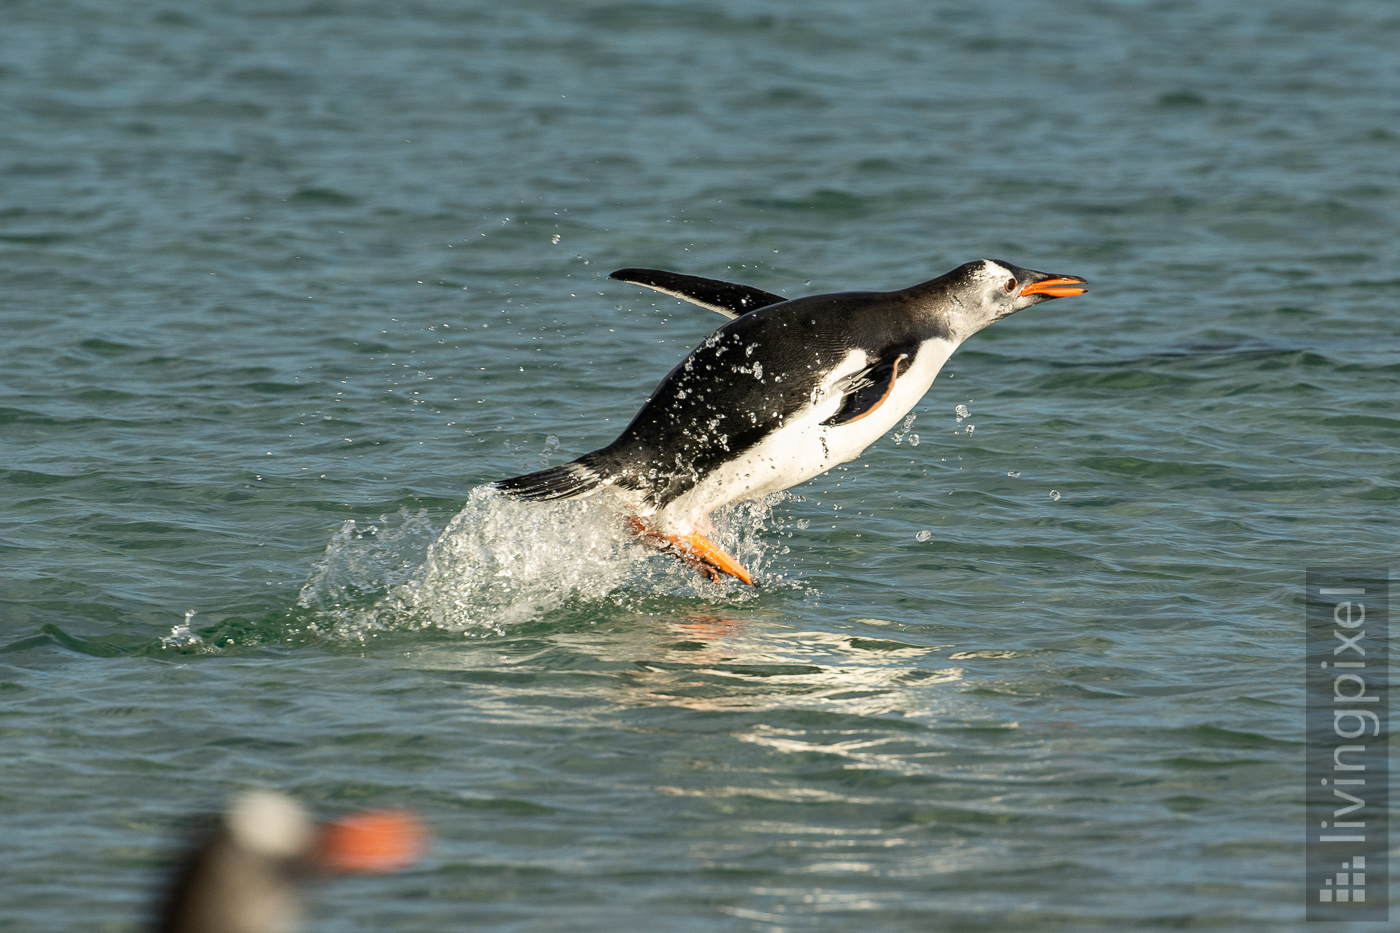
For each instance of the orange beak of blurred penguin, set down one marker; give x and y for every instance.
(1056, 286)
(694, 549)
(370, 841)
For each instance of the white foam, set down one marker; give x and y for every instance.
(181, 636)
(501, 562)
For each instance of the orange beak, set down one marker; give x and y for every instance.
(1058, 286)
(370, 841)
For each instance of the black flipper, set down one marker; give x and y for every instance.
(727, 298)
(867, 390)
(570, 481)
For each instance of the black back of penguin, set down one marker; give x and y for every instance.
(745, 382)
(750, 378)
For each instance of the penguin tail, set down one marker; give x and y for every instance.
(570, 481)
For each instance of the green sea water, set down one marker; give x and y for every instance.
(282, 285)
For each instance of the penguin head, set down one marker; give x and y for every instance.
(987, 290)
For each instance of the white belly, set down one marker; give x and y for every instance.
(804, 447)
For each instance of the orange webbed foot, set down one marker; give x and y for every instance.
(695, 550)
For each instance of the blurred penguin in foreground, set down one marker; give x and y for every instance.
(240, 874)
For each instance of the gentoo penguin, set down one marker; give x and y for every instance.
(241, 872)
(782, 393)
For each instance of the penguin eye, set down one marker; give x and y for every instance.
(1010, 286)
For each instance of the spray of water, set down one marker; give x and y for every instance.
(501, 562)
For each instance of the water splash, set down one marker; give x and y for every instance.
(551, 446)
(904, 429)
(182, 636)
(501, 562)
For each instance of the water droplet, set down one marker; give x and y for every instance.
(1054, 495)
(554, 239)
(961, 411)
(913, 440)
(923, 536)
(1015, 473)
(971, 428)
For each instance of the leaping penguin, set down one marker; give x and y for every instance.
(785, 391)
